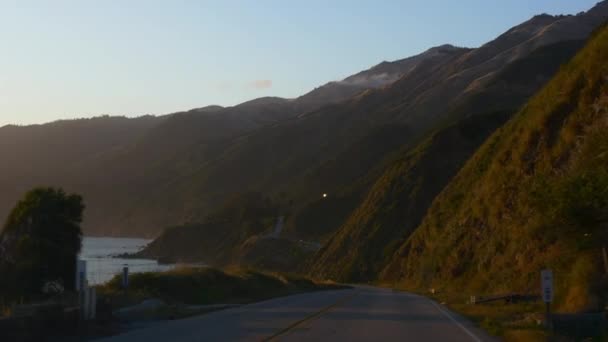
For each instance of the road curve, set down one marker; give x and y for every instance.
(359, 314)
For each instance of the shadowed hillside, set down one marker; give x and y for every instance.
(402, 192)
(180, 169)
(59, 152)
(214, 240)
(535, 195)
(342, 150)
(281, 158)
(127, 167)
(270, 159)
(399, 199)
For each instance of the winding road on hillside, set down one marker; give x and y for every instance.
(359, 314)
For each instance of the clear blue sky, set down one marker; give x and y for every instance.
(82, 58)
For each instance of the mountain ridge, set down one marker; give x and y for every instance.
(555, 147)
(180, 170)
(400, 197)
(208, 128)
(464, 124)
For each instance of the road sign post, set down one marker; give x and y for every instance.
(81, 274)
(82, 286)
(125, 277)
(605, 256)
(546, 277)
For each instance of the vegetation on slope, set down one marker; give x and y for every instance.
(387, 213)
(58, 153)
(273, 254)
(240, 233)
(183, 166)
(341, 150)
(39, 245)
(284, 157)
(216, 239)
(202, 286)
(534, 196)
(344, 179)
(398, 200)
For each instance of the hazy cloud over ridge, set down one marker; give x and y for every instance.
(261, 84)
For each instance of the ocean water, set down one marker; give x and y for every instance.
(102, 264)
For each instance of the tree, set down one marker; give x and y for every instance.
(40, 242)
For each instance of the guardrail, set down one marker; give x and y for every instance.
(508, 298)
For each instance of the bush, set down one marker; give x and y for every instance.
(40, 242)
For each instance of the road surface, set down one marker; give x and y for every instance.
(359, 314)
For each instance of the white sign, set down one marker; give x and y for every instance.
(81, 274)
(546, 277)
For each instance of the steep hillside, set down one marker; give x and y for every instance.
(418, 104)
(280, 158)
(27, 150)
(182, 168)
(214, 239)
(126, 168)
(242, 232)
(399, 199)
(184, 142)
(271, 159)
(378, 76)
(402, 193)
(57, 153)
(535, 195)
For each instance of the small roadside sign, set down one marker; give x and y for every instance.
(81, 274)
(546, 277)
(125, 277)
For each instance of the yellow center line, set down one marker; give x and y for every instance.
(309, 318)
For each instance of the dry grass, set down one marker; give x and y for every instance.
(516, 335)
(5, 311)
(203, 286)
(503, 319)
(499, 318)
(534, 196)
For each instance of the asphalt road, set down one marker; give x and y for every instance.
(360, 314)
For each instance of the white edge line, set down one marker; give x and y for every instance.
(445, 313)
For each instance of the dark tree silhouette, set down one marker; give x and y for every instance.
(40, 241)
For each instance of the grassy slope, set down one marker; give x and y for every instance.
(535, 195)
(217, 239)
(202, 286)
(398, 200)
(393, 208)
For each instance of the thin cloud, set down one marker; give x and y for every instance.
(261, 84)
(223, 86)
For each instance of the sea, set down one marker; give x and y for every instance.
(103, 261)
